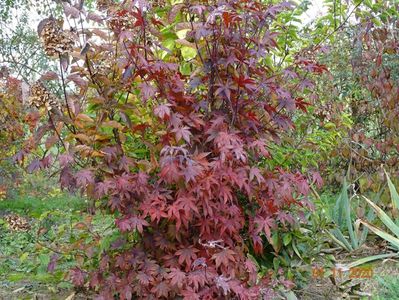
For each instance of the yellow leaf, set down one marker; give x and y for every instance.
(113, 124)
(84, 118)
(99, 137)
(181, 34)
(83, 137)
(97, 154)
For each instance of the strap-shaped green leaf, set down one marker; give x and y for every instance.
(384, 217)
(394, 195)
(386, 236)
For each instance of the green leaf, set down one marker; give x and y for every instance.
(185, 68)
(370, 217)
(44, 261)
(337, 213)
(276, 263)
(339, 238)
(347, 213)
(372, 6)
(394, 194)
(188, 53)
(384, 217)
(290, 295)
(16, 277)
(296, 249)
(276, 242)
(181, 34)
(386, 236)
(169, 44)
(370, 258)
(287, 238)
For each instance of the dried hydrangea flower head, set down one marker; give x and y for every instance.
(55, 40)
(120, 20)
(104, 4)
(17, 223)
(40, 97)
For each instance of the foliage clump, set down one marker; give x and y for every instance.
(196, 209)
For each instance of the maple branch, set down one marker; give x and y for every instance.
(195, 40)
(55, 129)
(65, 95)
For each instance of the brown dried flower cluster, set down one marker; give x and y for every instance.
(41, 97)
(56, 41)
(104, 4)
(119, 23)
(17, 223)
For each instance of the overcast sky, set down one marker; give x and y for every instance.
(316, 9)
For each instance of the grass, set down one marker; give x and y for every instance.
(54, 217)
(388, 288)
(35, 205)
(23, 263)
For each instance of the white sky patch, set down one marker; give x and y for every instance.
(316, 9)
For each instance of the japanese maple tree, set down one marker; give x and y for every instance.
(203, 88)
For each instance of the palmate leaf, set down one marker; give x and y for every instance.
(187, 256)
(224, 257)
(177, 277)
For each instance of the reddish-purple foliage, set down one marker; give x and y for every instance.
(202, 202)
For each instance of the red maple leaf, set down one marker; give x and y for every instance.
(182, 132)
(138, 223)
(255, 173)
(252, 270)
(147, 91)
(190, 294)
(246, 82)
(131, 223)
(144, 279)
(197, 279)
(224, 257)
(177, 277)
(301, 104)
(123, 224)
(265, 224)
(225, 89)
(162, 111)
(316, 178)
(187, 255)
(161, 290)
(84, 177)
